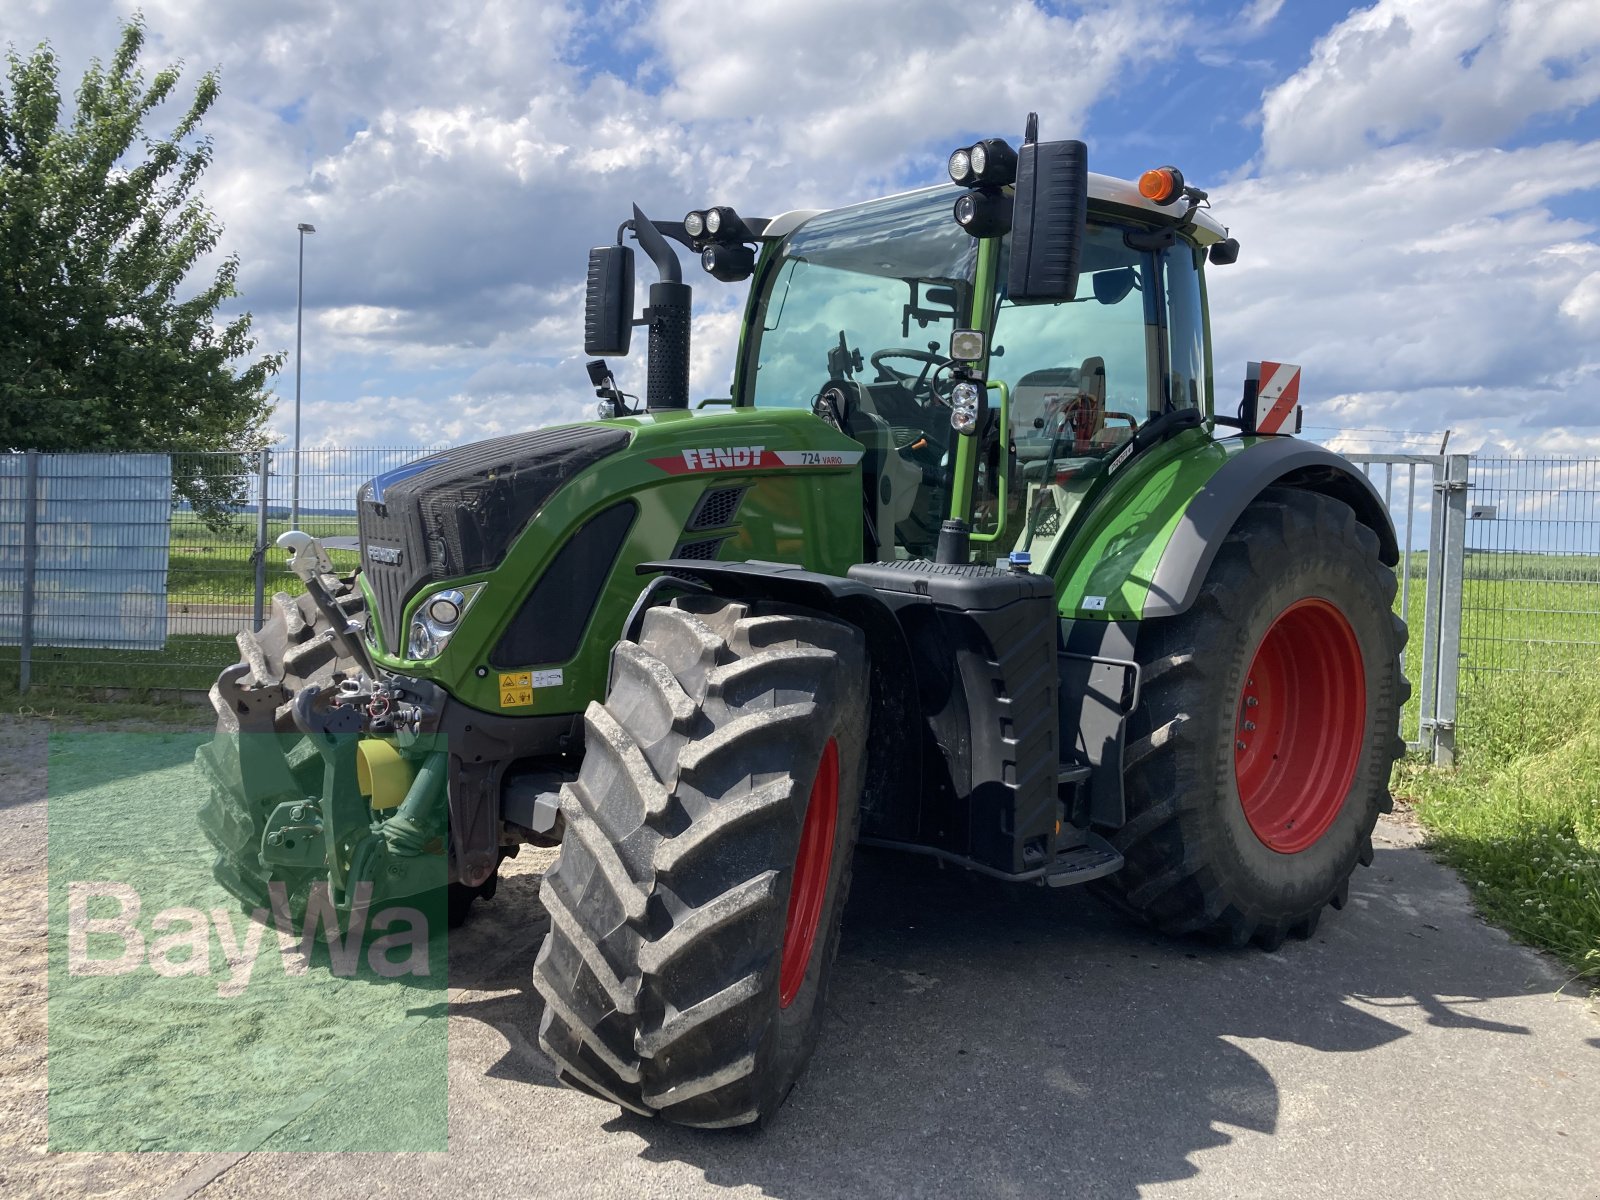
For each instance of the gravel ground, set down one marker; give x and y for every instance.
(979, 1042)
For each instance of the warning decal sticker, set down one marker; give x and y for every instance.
(516, 688)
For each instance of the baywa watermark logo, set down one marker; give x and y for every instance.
(105, 936)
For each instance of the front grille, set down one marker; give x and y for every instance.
(458, 512)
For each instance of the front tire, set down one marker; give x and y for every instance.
(1259, 760)
(695, 904)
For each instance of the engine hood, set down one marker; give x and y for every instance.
(455, 513)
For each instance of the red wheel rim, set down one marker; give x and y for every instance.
(811, 871)
(1300, 726)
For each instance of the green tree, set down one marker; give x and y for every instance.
(105, 344)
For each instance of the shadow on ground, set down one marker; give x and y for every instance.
(982, 1040)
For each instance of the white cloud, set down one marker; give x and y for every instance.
(1257, 15)
(1440, 72)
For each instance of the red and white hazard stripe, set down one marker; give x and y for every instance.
(1277, 394)
(745, 458)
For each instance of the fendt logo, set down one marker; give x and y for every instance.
(722, 458)
(736, 458)
(389, 555)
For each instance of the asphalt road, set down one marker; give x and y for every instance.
(983, 1042)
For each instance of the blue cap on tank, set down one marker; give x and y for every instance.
(1021, 560)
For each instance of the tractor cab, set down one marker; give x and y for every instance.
(856, 326)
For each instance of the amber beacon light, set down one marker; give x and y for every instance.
(1162, 185)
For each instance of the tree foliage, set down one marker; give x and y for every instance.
(105, 343)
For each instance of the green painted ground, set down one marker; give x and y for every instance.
(169, 1030)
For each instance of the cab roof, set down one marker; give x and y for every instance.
(1103, 190)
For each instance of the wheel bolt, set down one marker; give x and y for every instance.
(1249, 725)
(1240, 745)
(1251, 702)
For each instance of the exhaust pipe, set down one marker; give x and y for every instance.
(667, 381)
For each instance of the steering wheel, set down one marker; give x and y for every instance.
(914, 384)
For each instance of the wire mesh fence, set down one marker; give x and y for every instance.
(131, 574)
(1532, 568)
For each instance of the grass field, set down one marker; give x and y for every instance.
(1520, 816)
(207, 567)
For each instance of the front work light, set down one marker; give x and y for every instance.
(694, 224)
(1162, 185)
(965, 399)
(967, 345)
(961, 167)
(989, 163)
(985, 213)
(728, 263)
(994, 162)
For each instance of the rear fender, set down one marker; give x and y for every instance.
(1152, 535)
(1214, 509)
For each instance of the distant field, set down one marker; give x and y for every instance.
(206, 567)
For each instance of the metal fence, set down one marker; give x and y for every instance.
(1532, 568)
(130, 575)
(65, 517)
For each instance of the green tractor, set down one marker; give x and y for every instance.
(968, 566)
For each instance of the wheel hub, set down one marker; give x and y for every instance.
(1300, 725)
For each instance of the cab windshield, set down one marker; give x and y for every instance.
(853, 321)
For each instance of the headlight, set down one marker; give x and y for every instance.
(714, 220)
(965, 399)
(445, 608)
(436, 620)
(694, 224)
(979, 158)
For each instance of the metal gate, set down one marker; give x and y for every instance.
(1427, 498)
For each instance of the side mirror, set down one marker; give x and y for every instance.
(1048, 222)
(608, 301)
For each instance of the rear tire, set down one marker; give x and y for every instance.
(696, 900)
(1260, 756)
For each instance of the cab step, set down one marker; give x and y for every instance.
(1092, 860)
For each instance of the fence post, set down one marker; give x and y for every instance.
(1454, 506)
(260, 555)
(30, 566)
(1427, 701)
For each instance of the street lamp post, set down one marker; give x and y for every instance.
(299, 321)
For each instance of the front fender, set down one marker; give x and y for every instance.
(893, 792)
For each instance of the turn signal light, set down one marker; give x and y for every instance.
(1161, 185)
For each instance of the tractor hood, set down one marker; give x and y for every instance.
(457, 512)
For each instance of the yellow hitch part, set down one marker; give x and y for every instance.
(381, 773)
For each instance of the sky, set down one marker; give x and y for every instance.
(1415, 183)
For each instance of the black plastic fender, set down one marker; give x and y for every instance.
(893, 777)
(1272, 462)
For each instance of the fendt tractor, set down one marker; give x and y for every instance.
(969, 565)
